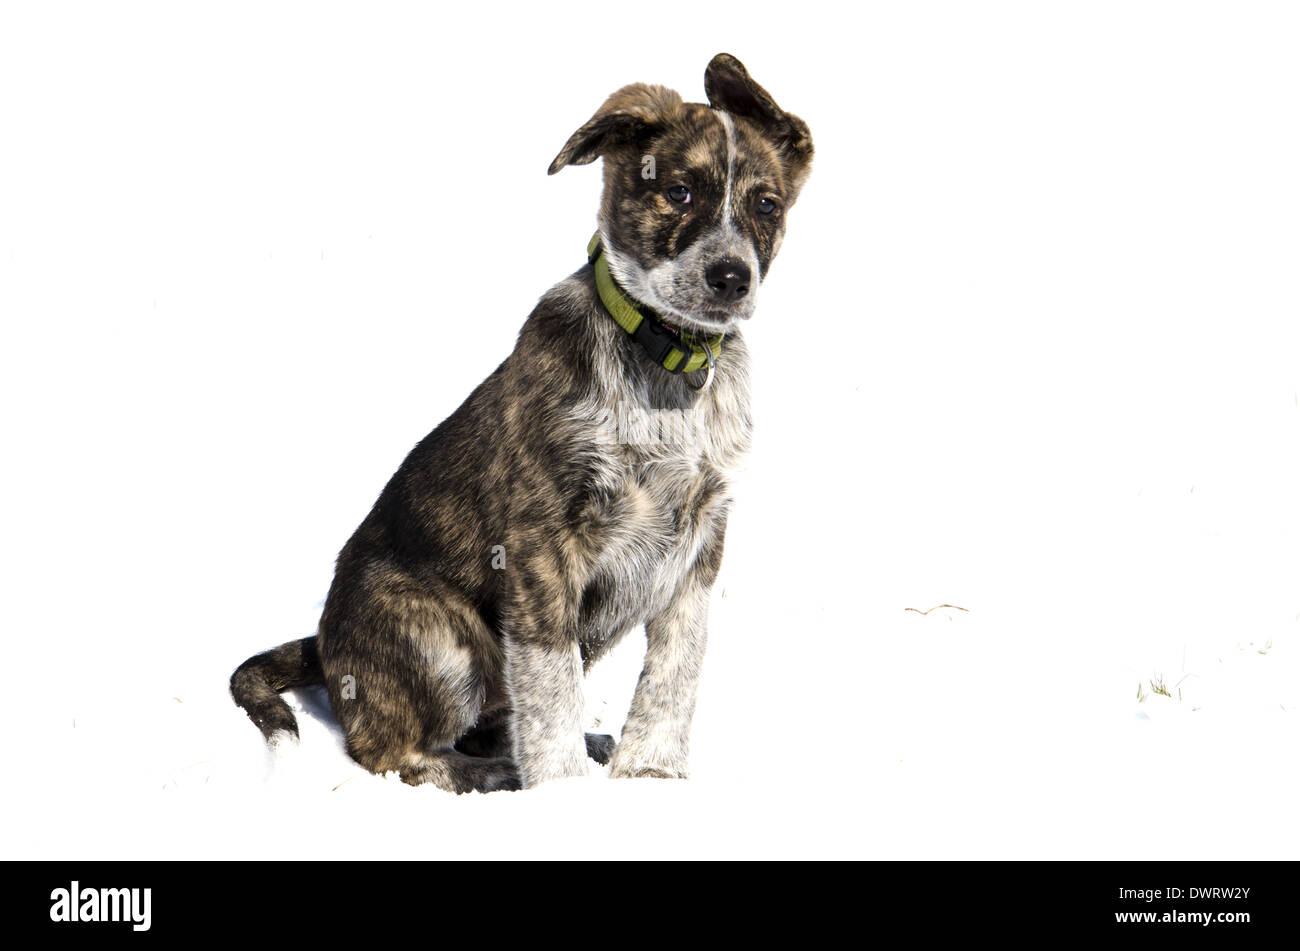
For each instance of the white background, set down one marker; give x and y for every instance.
(1030, 349)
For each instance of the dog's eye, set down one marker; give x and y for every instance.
(766, 206)
(680, 194)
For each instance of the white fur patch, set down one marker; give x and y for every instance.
(281, 743)
(730, 128)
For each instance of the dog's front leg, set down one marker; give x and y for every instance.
(544, 673)
(656, 735)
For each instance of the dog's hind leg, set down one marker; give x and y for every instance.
(410, 734)
(454, 771)
(446, 768)
(408, 666)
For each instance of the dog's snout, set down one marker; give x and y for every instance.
(729, 280)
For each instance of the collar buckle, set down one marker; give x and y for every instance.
(659, 342)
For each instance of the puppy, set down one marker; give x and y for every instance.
(581, 490)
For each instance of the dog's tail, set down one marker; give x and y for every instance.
(257, 683)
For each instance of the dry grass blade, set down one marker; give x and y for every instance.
(937, 607)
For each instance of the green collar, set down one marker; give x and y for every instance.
(677, 353)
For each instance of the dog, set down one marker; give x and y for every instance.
(535, 527)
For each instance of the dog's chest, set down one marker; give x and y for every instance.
(662, 490)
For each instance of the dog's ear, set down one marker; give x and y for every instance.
(628, 114)
(730, 88)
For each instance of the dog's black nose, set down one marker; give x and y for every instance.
(729, 280)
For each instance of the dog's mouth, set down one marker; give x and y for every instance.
(677, 326)
(685, 307)
(710, 322)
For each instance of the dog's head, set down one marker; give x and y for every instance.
(695, 196)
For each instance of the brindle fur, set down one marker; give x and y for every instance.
(449, 668)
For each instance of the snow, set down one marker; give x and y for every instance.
(1029, 350)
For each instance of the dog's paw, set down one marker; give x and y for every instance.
(497, 775)
(646, 772)
(631, 767)
(600, 747)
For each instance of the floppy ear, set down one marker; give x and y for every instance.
(729, 87)
(628, 114)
